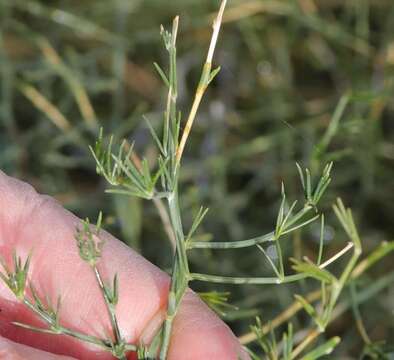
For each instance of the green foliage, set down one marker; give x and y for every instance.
(88, 241)
(268, 345)
(52, 312)
(218, 301)
(322, 350)
(16, 278)
(307, 81)
(120, 170)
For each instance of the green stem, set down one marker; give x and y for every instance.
(180, 275)
(338, 286)
(62, 330)
(280, 258)
(232, 244)
(176, 221)
(111, 312)
(383, 250)
(357, 314)
(246, 280)
(362, 296)
(257, 240)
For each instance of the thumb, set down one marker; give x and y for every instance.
(32, 222)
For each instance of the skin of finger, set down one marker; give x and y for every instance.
(10, 350)
(34, 223)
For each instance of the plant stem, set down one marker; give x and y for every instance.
(381, 251)
(246, 280)
(203, 84)
(281, 279)
(357, 315)
(342, 307)
(232, 244)
(110, 309)
(385, 248)
(58, 329)
(338, 287)
(180, 274)
(162, 211)
(270, 237)
(280, 257)
(336, 256)
(313, 334)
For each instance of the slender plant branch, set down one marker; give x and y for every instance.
(16, 280)
(110, 303)
(180, 274)
(261, 280)
(165, 219)
(270, 237)
(363, 296)
(337, 255)
(357, 315)
(231, 244)
(206, 77)
(246, 280)
(380, 252)
(160, 207)
(58, 329)
(312, 336)
(90, 247)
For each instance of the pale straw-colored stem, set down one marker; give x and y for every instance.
(204, 81)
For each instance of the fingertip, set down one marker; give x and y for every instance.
(200, 334)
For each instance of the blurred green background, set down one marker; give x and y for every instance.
(305, 81)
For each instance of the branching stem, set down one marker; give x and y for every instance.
(383, 250)
(180, 274)
(58, 329)
(110, 309)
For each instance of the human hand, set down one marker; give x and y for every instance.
(37, 223)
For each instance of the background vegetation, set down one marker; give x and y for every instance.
(301, 80)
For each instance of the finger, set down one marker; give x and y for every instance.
(10, 350)
(32, 222)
